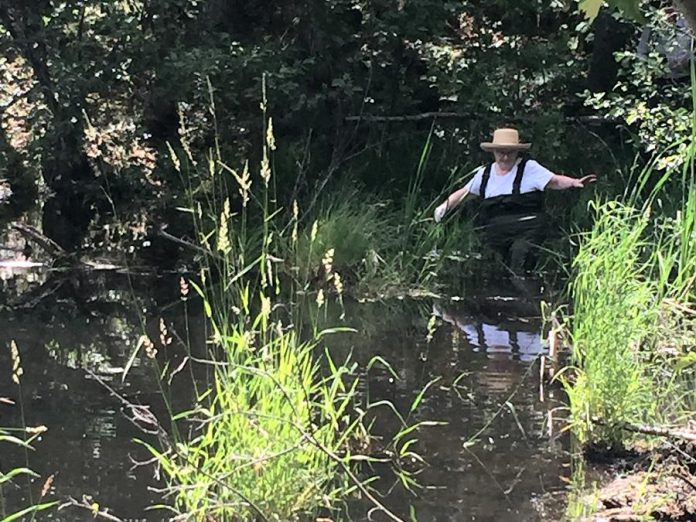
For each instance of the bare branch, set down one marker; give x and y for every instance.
(408, 117)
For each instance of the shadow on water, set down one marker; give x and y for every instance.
(495, 456)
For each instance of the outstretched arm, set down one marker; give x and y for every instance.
(451, 202)
(559, 182)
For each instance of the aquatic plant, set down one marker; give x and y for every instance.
(21, 438)
(266, 437)
(381, 245)
(278, 431)
(632, 319)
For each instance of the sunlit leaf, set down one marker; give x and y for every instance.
(591, 8)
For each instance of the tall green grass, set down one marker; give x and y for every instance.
(382, 244)
(267, 434)
(376, 247)
(356, 226)
(633, 317)
(276, 434)
(615, 310)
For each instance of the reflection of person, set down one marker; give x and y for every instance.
(495, 339)
(511, 189)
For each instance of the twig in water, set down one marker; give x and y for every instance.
(143, 413)
(92, 507)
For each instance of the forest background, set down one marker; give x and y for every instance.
(98, 97)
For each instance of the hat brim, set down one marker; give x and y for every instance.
(490, 147)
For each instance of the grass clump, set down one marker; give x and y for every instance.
(267, 434)
(615, 310)
(272, 435)
(376, 248)
(355, 226)
(380, 246)
(21, 439)
(633, 323)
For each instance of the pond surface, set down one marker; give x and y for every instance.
(74, 347)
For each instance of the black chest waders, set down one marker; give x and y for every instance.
(514, 224)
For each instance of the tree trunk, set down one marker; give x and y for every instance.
(64, 165)
(611, 35)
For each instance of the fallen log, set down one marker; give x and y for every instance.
(644, 429)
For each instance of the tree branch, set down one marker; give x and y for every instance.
(407, 117)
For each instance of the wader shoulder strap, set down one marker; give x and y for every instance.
(484, 180)
(518, 178)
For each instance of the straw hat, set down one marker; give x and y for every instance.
(505, 139)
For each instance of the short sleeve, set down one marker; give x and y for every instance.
(537, 175)
(474, 185)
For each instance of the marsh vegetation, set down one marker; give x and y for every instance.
(223, 284)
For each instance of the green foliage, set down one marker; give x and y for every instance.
(128, 66)
(615, 309)
(650, 97)
(379, 245)
(265, 442)
(583, 497)
(629, 8)
(277, 433)
(266, 433)
(30, 511)
(355, 227)
(633, 280)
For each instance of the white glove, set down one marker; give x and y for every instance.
(440, 212)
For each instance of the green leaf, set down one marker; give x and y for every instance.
(421, 395)
(132, 357)
(591, 8)
(338, 329)
(33, 509)
(686, 361)
(630, 9)
(15, 440)
(6, 477)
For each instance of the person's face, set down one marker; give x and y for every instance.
(505, 159)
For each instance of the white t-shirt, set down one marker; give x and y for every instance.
(535, 177)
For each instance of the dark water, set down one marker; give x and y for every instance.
(488, 380)
(488, 387)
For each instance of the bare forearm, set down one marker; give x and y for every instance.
(456, 198)
(560, 182)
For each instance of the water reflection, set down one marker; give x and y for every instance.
(487, 390)
(509, 339)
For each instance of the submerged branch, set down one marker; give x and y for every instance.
(30, 233)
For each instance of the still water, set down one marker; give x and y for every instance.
(498, 457)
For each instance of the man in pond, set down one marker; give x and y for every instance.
(512, 207)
